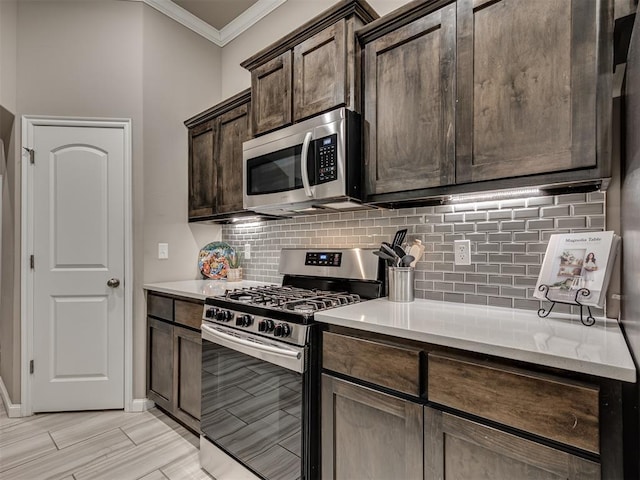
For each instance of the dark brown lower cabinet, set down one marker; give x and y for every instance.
(458, 448)
(367, 434)
(457, 416)
(173, 370)
(186, 375)
(160, 362)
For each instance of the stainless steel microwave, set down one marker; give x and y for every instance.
(314, 164)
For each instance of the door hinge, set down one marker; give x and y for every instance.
(32, 262)
(31, 366)
(32, 155)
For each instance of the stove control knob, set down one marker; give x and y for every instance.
(286, 330)
(282, 330)
(224, 315)
(210, 312)
(244, 320)
(266, 326)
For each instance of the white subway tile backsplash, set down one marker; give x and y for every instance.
(571, 198)
(508, 241)
(561, 210)
(537, 201)
(571, 222)
(500, 214)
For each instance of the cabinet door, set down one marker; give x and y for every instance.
(186, 375)
(319, 72)
(369, 435)
(459, 448)
(160, 363)
(410, 105)
(202, 172)
(271, 94)
(526, 89)
(233, 128)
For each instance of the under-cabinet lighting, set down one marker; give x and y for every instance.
(246, 221)
(496, 195)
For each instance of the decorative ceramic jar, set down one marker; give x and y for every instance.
(234, 274)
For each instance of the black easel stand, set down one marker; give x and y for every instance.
(581, 292)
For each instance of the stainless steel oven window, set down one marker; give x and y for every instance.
(253, 409)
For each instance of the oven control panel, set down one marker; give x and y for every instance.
(291, 333)
(323, 259)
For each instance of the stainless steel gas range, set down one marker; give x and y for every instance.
(260, 365)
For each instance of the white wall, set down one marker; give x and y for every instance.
(9, 294)
(181, 78)
(111, 58)
(8, 16)
(287, 17)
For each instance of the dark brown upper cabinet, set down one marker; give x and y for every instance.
(232, 129)
(314, 69)
(486, 94)
(271, 87)
(527, 86)
(202, 172)
(215, 158)
(319, 75)
(410, 105)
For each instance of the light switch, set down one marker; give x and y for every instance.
(163, 251)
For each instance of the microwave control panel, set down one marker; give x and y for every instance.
(327, 158)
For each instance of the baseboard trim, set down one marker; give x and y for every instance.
(14, 410)
(141, 405)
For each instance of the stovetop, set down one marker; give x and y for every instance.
(310, 284)
(299, 300)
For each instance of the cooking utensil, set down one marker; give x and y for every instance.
(390, 251)
(406, 260)
(417, 250)
(399, 251)
(399, 237)
(390, 260)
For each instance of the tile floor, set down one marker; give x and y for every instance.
(109, 445)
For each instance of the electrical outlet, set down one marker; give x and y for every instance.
(247, 251)
(462, 252)
(163, 251)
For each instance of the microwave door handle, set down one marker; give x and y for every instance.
(303, 164)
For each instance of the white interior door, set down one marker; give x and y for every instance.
(78, 247)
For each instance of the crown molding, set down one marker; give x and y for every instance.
(246, 19)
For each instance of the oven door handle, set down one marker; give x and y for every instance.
(290, 359)
(303, 165)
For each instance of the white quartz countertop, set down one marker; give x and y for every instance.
(559, 341)
(200, 289)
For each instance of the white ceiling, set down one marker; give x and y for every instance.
(219, 21)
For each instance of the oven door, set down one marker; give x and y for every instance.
(252, 400)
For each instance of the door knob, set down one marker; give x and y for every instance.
(113, 283)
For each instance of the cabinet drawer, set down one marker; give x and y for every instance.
(189, 314)
(397, 368)
(544, 405)
(160, 307)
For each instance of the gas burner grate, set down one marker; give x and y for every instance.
(299, 300)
